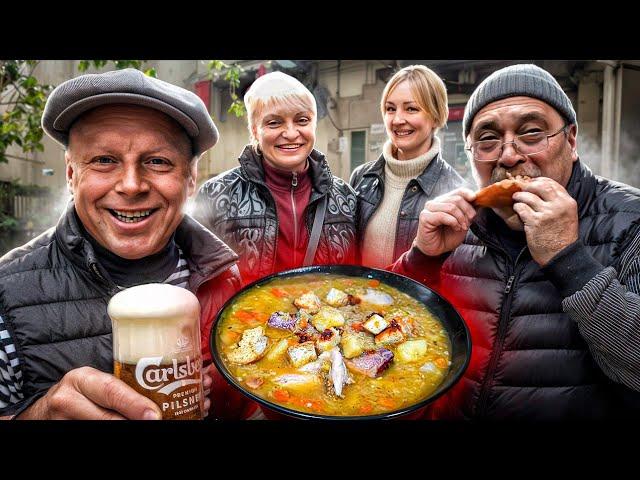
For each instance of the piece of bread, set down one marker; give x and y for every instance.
(251, 347)
(499, 194)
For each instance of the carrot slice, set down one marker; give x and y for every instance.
(281, 395)
(373, 283)
(278, 292)
(387, 402)
(441, 362)
(244, 315)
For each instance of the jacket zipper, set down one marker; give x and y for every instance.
(500, 336)
(294, 184)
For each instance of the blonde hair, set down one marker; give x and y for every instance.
(427, 88)
(276, 88)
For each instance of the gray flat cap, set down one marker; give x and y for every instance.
(72, 98)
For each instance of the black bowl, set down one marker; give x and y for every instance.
(438, 306)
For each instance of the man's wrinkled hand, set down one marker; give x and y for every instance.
(89, 394)
(550, 217)
(444, 222)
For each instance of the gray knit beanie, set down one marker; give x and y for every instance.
(518, 80)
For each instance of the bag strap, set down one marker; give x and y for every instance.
(314, 239)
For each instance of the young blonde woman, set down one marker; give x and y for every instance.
(392, 190)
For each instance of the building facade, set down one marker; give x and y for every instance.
(605, 94)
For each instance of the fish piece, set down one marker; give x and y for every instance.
(316, 365)
(328, 339)
(296, 381)
(309, 301)
(301, 354)
(391, 335)
(371, 363)
(282, 320)
(337, 298)
(376, 297)
(375, 324)
(338, 373)
(252, 346)
(327, 317)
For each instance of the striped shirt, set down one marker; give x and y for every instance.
(10, 371)
(607, 310)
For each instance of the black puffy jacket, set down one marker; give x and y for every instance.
(238, 207)
(54, 295)
(529, 360)
(367, 180)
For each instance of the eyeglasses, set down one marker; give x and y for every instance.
(525, 144)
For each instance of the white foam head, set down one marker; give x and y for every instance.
(154, 319)
(153, 301)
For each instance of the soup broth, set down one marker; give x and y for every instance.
(333, 345)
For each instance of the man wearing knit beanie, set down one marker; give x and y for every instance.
(550, 285)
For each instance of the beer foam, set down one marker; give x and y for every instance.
(153, 320)
(153, 301)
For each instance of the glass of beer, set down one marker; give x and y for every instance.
(156, 347)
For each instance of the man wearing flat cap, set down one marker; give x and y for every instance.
(132, 145)
(550, 286)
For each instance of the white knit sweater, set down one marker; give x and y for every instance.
(380, 234)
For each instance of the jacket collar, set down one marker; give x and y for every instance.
(321, 178)
(205, 253)
(426, 180)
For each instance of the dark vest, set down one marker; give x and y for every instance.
(54, 295)
(529, 359)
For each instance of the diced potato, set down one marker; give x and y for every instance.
(390, 336)
(278, 350)
(411, 350)
(352, 345)
(302, 354)
(327, 317)
(375, 324)
(337, 298)
(309, 301)
(328, 339)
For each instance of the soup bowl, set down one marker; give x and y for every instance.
(452, 323)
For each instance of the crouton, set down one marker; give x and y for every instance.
(251, 347)
(302, 354)
(390, 336)
(375, 324)
(309, 301)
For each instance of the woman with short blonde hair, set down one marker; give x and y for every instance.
(393, 189)
(266, 208)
